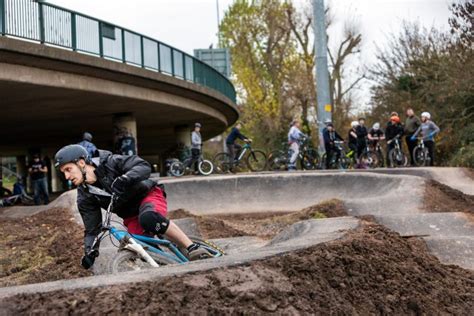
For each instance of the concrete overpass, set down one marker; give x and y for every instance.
(63, 73)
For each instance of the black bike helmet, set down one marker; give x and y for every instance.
(87, 136)
(70, 153)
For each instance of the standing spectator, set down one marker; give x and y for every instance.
(361, 132)
(294, 137)
(196, 145)
(394, 129)
(352, 137)
(428, 130)
(88, 145)
(38, 171)
(412, 124)
(232, 147)
(330, 136)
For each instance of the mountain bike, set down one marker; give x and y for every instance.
(178, 168)
(421, 155)
(369, 157)
(308, 157)
(254, 159)
(136, 252)
(396, 156)
(342, 159)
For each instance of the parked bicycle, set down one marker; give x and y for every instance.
(341, 159)
(136, 252)
(421, 155)
(308, 157)
(205, 167)
(369, 158)
(396, 156)
(254, 159)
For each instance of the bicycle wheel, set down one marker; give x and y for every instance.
(277, 160)
(421, 156)
(397, 158)
(310, 159)
(257, 160)
(126, 260)
(177, 169)
(205, 167)
(222, 162)
(369, 159)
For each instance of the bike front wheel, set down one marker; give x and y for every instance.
(421, 156)
(257, 160)
(126, 260)
(177, 169)
(310, 159)
(205, 167)
(397, 158)
(369, 160)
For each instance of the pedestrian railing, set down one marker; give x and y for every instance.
(49, 24)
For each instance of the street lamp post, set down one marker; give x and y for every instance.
(322, 73)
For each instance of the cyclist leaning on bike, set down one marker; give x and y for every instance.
(428, 130)
(141, 202)
(196, 145)
(394, 130)
(361, 132)
(232, 147)
(375, 134)
(295, 136)
(330, 136)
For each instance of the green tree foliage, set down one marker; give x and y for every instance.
(271, 44)
(430, 71)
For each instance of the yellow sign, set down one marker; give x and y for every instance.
(327, 108)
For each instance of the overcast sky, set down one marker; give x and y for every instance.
(190, 24)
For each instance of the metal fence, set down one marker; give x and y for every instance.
(50, 24)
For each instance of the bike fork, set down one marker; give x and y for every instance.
(130, 244)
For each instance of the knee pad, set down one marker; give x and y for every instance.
(153, 222)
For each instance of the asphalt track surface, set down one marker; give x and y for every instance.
(393, 196)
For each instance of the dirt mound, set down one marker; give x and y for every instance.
(268, 224)
(370, 271)
(209, 227)
(39, 248)
(442, 198)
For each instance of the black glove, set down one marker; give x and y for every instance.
(119, 185)
(88, 259)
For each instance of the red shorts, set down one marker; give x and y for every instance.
(154, 197)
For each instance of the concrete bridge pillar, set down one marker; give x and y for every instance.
(125, 134)
(21, 169)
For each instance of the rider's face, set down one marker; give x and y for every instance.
(72, 172)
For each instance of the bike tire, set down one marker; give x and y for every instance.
(256, 160)
(277, 160)
(421, 156)
(310, 160)
(177, 169)
(206, 167)
(222, 162)
(400, 161)
(369, 159)
(126, 260)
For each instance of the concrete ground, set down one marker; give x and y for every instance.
(393, 196)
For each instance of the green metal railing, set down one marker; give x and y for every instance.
(53, 25)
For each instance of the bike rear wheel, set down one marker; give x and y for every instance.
(126, 260)
(277, 160)
(222, 162)
(310, 160)
(257, 160)
(177, 169)
(205, 167)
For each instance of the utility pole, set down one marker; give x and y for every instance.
(218, 25)
(322, 73)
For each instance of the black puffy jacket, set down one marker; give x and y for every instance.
(108, 168)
